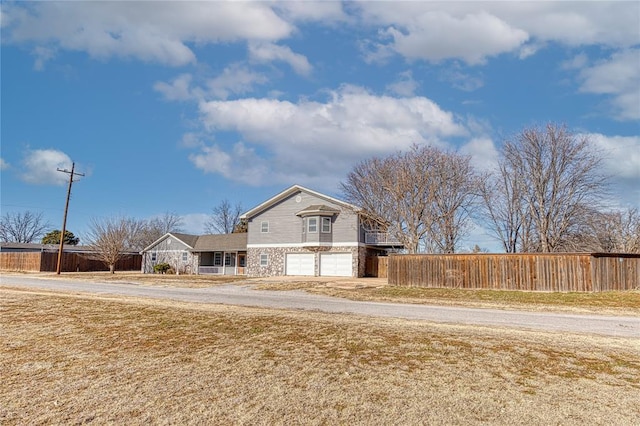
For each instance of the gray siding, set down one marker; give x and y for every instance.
(169, 244)
(286, 228)
(169, 250)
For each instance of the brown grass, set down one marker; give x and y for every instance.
(620, 302)
(610, 302)
(69, 359)
(169, 280)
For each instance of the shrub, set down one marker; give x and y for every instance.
(161, 268)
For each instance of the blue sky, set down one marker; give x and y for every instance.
(175, 106)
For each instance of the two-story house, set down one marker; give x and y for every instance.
(303, 232)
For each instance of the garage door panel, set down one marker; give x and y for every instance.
(300, 264)
(336, 264)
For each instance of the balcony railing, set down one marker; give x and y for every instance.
(381, 239)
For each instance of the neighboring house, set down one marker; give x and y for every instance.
(303, 232)
(223, 254)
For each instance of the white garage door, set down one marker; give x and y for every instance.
(300, 264)
(336, 264)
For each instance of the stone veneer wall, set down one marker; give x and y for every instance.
(277, 256)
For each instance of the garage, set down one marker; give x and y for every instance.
(300, 264)
(336, 264)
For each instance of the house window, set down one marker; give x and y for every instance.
(227, 259)
(326, 225)
(217, 259)
(264, 226)
(264, 260)
(304, 225)
(154, 257)
(313, 224)
(184, 256)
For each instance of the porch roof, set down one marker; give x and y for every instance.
(221, 242)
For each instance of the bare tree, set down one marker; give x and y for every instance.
(503, 200)
(617, 232)
(546, 180)
(24, 227)
(112, 239)
(224, 218)
(155, 228)
(456, 191)
(418, 196)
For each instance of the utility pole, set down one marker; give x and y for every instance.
(66, 209)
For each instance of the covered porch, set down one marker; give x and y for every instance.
(222, 254)
(222, 263)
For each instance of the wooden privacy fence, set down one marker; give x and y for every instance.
(376, 266)
(71, 262)
(534, 272)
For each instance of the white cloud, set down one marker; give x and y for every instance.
(462, 80)
(234, 80)
(3, 164)
(40, 167)
(438, 31)
(240, 164)
(484, 155)
(149, 31)
(472, 37)
(269, 52)
(577, 62)
(178, 90)
(317, 142)
(621, 161)
(325, 11)
(194, 223)
(621, 154)
(405, 85)
(618, 76)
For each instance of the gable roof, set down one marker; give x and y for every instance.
(187, 239)
(213, 242)
(221, 242)
(290, 191)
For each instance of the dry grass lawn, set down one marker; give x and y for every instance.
(69, 359)
(612, 302)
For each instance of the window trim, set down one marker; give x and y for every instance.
(264, 227)
(264, 259)
(325, 220)
(315, 221)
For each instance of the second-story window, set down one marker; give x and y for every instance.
(313, 224)
(326, 225)
(264, 226)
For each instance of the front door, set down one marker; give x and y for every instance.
(242, 260)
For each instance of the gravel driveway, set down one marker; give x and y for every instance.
(618, 326)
